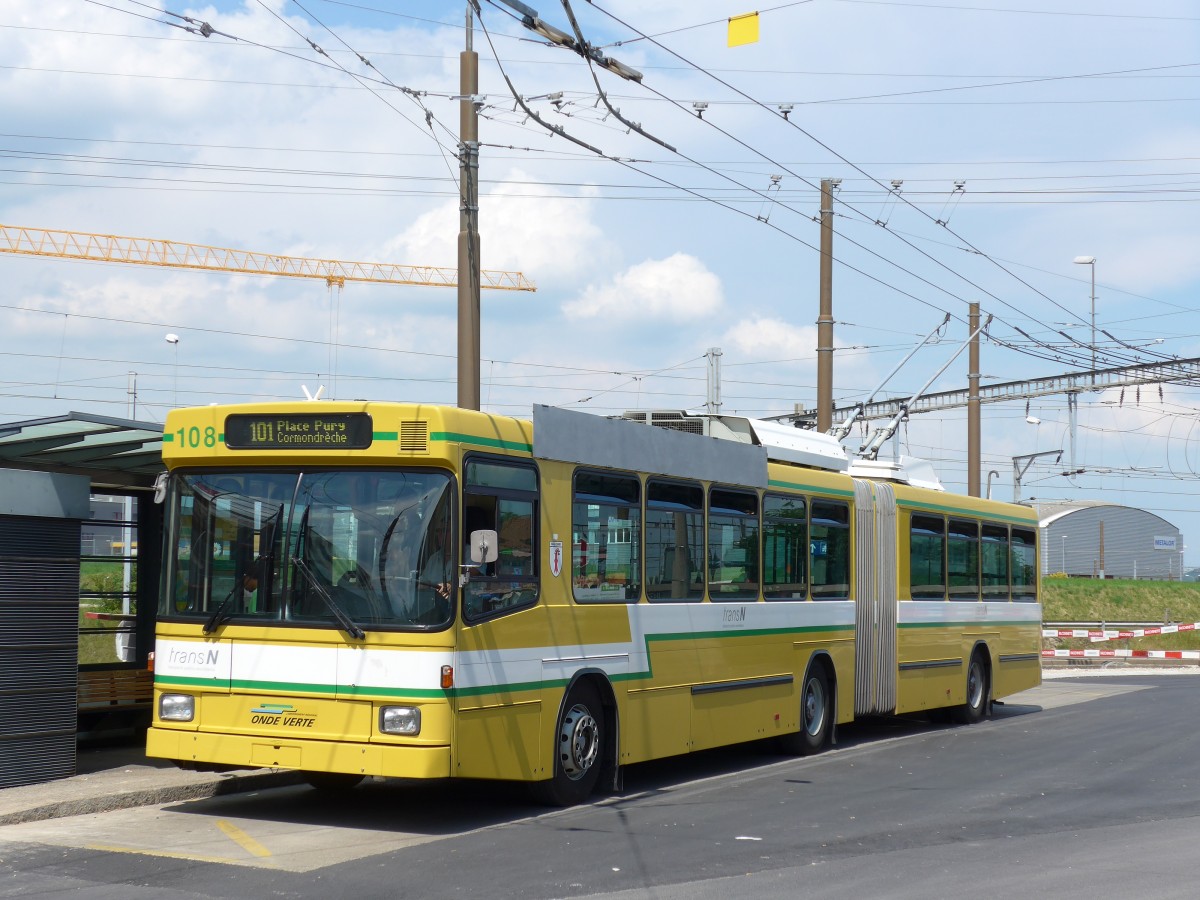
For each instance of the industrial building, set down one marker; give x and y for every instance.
(1105, 540)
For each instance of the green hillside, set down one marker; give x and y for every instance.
(1087, 600)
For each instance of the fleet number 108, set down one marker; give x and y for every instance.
(194, 437)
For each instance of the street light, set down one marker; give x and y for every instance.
(173, 340)
(1091, 261)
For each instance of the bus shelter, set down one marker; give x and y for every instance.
(77, 599)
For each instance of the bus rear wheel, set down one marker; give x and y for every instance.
(578, 750)
(978, 688)
(816, 715)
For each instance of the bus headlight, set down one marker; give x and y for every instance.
(400, 720)
(177, 707)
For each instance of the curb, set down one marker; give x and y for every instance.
(150, 796)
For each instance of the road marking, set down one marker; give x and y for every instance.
(192, 857)
(243, 840)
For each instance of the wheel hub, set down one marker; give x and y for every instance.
(975, 684)
(814, 708)
(578, 744)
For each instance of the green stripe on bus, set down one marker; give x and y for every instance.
(168, 438)
(746, 632)
(494, 443)
(368, 692)
(798, 486)
(515, 687)
(647, 673)
(385, 435)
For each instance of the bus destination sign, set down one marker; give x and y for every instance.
(298, 431)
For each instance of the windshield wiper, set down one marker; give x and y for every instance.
(344, 620)
(219, 616)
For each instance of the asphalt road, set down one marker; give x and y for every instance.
(1078, 788)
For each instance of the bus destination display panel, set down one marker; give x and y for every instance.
(298, 431)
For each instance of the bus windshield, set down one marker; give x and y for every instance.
(352, 550)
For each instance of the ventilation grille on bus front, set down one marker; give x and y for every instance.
(414, 437)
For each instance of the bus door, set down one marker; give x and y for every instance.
(876, 598)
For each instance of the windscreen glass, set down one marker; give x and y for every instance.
(348, 549)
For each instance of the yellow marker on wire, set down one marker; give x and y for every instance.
(743, 29)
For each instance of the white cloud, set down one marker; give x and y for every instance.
(678, 288)
(550, 237)
(770, 338)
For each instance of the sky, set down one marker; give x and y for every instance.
(981, 147)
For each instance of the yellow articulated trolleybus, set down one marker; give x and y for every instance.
(387, 589)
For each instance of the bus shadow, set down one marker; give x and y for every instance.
(419, 807)
(450, 807)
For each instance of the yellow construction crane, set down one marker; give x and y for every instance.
(176, 255)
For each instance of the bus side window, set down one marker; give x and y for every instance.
(994, 559)
(927, 558)
(829, 543)
(962, 559)
(732, 544)
(785, 547)
(501, 496)
(605, 537)
(674, 533)
(1023, 552)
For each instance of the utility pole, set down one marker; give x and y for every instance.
(468, 224)
(825, 319)
(973, 435)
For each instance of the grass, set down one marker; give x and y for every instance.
(97, 643)
(1089, 600)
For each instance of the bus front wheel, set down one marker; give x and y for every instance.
(816, 714)
(578, 750)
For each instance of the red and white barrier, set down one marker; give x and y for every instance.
(1089, 653)
(1070, 632)
(1096, 635)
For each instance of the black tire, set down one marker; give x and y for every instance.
(816, 715)
(578, 750)
(978, 690)
(332, 781)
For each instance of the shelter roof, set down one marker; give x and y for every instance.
(117, 452)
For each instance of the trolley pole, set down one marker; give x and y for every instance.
(468, 225)
(825, 319)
